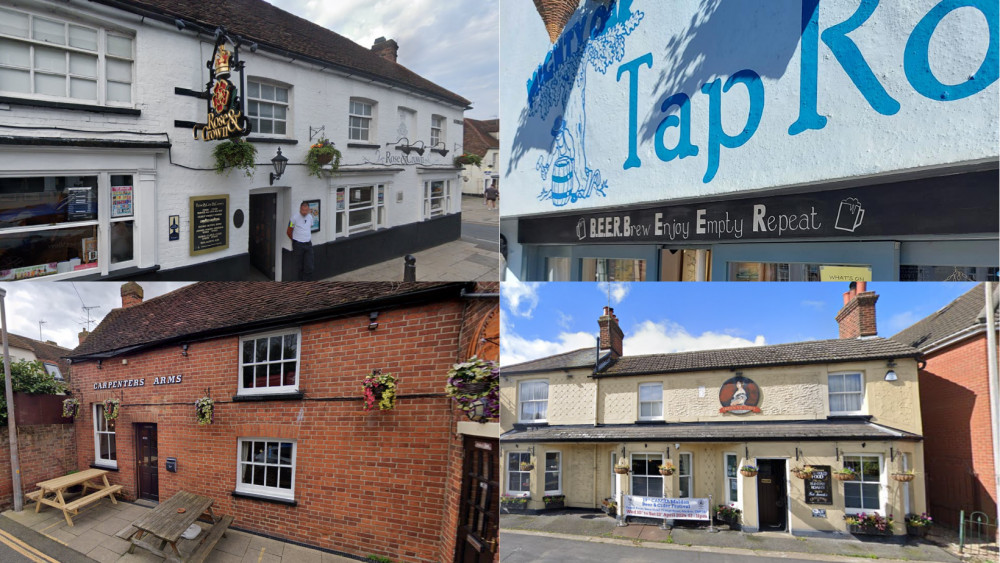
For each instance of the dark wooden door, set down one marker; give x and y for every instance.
(772, 494)
(480, 502)
(263, 232)
(147, 460)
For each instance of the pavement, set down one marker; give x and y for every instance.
(92, 538)
(520, 531)
(473, 257)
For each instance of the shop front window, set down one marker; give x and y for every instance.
(864, 494)
(269, 363)
(267, 467)
(646, 478)
(613, 269)
(787, 271)
(360, 208)
(437, 198)
(518, 480)
(557, 268)
(909, 272)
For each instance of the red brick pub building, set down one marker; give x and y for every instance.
(291, 453)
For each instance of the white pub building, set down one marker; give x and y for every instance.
(105, 173)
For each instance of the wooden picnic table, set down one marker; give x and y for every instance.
(166, 523)
(57, 487)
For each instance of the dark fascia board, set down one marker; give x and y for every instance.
(915, 355)
(168, 19)
(71, 142)
(420, 296)
(72, 106)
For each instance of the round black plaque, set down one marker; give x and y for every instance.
(238, 218)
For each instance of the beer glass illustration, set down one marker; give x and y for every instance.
(849, 215)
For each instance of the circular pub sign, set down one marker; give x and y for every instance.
(739, 395)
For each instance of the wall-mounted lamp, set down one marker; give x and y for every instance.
(279, 162)
(184, 349)
(401, 146)
(891, 374)
(373, 320)
(180, 24)
(442, 150)
(99, 362)
(419, 150)
(477, 412)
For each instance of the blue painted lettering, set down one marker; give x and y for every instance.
(808, 118)
(717, 137)
(853, 62)
(632, 68)
(684, 147)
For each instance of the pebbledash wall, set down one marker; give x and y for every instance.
(840, 140)
(385, 483)
(145, 143)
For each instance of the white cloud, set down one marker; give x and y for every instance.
(517, 294)
(818, 305)
(563, 320)
(899, 321)
(515, 349)
(619, 290)
(666, 337)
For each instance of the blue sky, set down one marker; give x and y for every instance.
(541, 319)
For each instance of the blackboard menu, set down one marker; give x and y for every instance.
(818, 490)
(81, 204)
(209, 226)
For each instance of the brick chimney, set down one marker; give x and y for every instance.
(386, 48)
(83, 335)
(131, 294)
(611, 334)
(857, 317)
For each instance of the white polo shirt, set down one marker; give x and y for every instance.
(301, 227)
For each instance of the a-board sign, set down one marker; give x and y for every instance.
(818, 489)
(209, 223)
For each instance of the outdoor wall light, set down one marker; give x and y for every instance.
(279, 162)
(442, 150)
(400, 145)
(373, 320)
(180, 24)
(477, 412)
(99, 362)
(184, 350)
(419, 150)
(891, 374)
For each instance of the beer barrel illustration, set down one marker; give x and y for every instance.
(562, 180)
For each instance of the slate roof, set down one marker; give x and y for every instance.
(797, 353)
(211, 309)
(269, 26)
(477, 138)
(765, 431)
(968, 311)
(52, 353)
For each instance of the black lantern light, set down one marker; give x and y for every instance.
(279, 163)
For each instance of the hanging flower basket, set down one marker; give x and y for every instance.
(622, 469)
(748, 471)
(379, 391)
(111, 409)
(205, 410)
(667, 469)
(802, 472)
(320, 154)
(71, 408)
(526, 466)
(468, 158)
(903, 476)
(845, 474)
(475, 386)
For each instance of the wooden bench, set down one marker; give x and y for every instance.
(79, 503)
(215, 533)
(166, 523)
(56, 487)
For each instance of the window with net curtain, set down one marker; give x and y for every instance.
(846, 392)
(651, 401)
(534, 400)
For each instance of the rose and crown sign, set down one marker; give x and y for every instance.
(225, 115)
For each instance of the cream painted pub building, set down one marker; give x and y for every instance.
(850, 402)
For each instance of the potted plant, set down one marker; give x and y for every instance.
(379, 391)
(71, 408)
(468, 158)
(512, 505)
(205, 410)
(729, 515)
(320, 154)
(748, 470)
(553, 502)
(802, 472)
(622, 467)
(904, 476)
(869, 524)
(918, 524)
(845, 474)
(475, 384)
(235, 154)
(111, 409)
(527, 466)
(667, 469)
(610, 507)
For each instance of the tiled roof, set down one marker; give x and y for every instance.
(799, 430)
(583, 358)
(963, 313)
(259, 21)
(477, 139)
(43, 350)
(208, 309)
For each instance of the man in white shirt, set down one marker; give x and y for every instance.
(300, 231)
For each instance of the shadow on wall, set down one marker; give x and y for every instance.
(952, 482)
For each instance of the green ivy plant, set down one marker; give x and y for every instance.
(468, 158)
(30, 377)
(236, 153)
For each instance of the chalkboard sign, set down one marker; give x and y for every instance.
(81, 204)
(209, 224)
(818, 490)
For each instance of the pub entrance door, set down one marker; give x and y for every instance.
(147, 461)
(772, 495)
(480, 502)
(263, 232)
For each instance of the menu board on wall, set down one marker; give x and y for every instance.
(209, 227)
(818, 489)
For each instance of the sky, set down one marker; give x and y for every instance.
(454, 43)
(59, 304)
(542, 319)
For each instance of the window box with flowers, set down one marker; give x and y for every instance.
(865, 524)
(553, 502)
(320, 154)
(730, 515)
(514, 505)
(379, 391)
(748, 470)
(205, 410)
(918, 525)
(475, 387)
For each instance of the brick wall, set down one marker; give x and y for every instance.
(45, 451)
(955, 407)
(382, 483)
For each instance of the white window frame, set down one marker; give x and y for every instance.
(689, 475)
(614, 476)
(659, 385)
(264, 490)
(287, 104)
(98, 410)
(518, 493)
(444, 199)
(277, 389)
(520, 401)
(438, 129)
(342, 209)
(861, 377)
(647, 476)
(558, 472)
(104, 247)
(883, 489)
(366, 122)
(101, 53)
(727, 480)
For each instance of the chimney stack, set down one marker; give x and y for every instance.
(388, 49)
(611, 334)
(131, 294)
(83, 335)
(857, 317)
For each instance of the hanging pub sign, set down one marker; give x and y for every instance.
(225, 114)
(739, 395)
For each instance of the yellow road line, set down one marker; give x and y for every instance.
(53, 538)
(25, 549)
(261, 556)
(49, 527)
